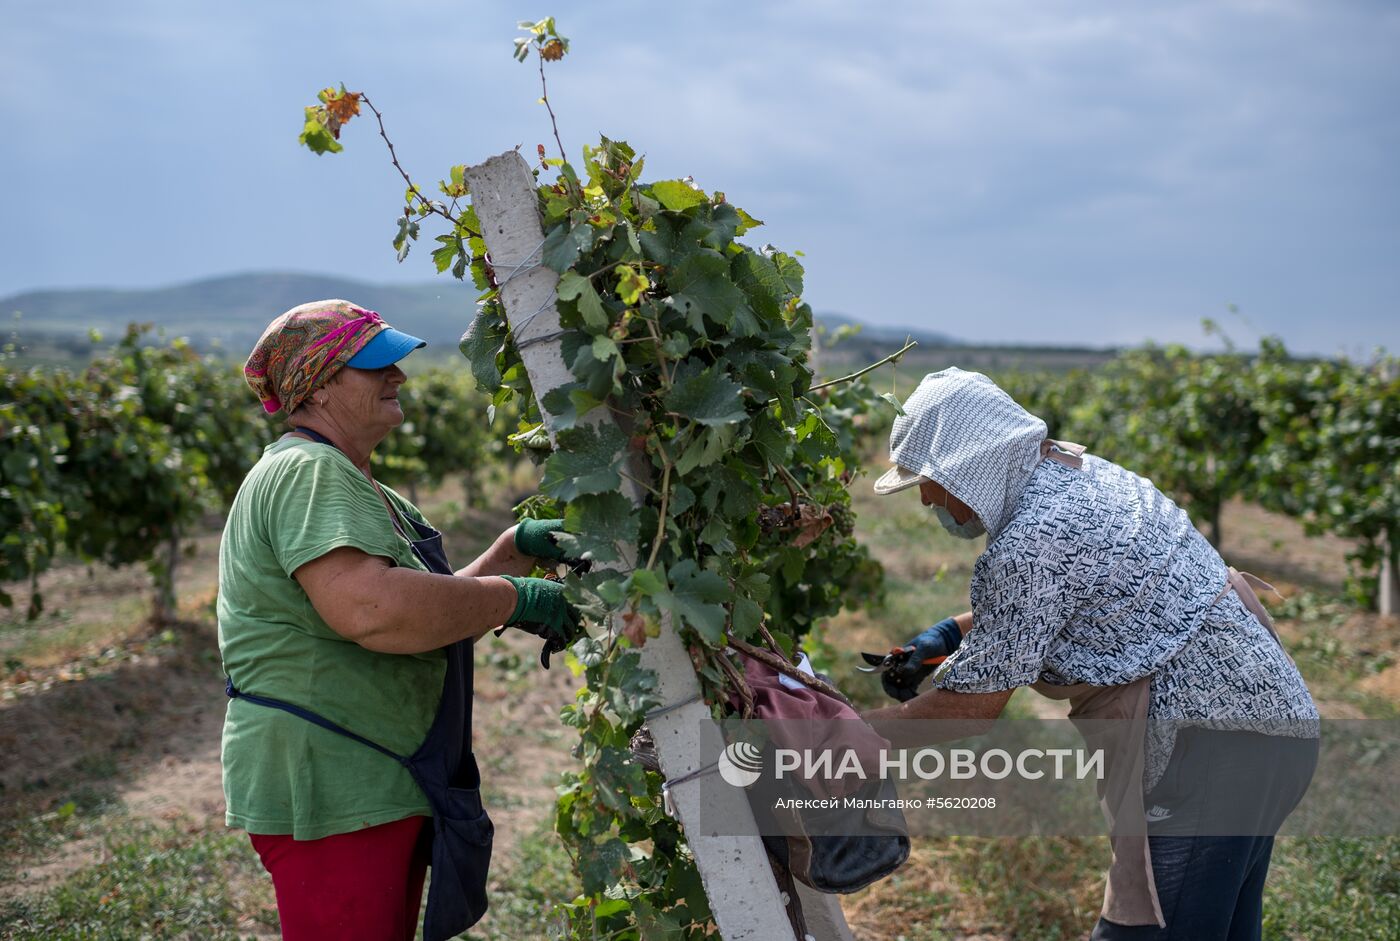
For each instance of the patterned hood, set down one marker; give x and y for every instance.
(962, 431)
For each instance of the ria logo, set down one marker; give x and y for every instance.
(741, 764)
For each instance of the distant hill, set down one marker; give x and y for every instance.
(885, 335)
(234, 309)
(231, 311)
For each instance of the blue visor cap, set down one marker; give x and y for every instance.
(388, 347)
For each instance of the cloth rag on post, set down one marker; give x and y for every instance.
(835, 849)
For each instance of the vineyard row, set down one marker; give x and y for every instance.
(113, 463)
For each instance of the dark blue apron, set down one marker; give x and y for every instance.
(444, 768)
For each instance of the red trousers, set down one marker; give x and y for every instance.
(360, 886)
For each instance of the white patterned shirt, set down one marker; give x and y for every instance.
(1092, 575)
(1100, 578)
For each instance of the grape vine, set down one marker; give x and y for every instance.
(698, 344)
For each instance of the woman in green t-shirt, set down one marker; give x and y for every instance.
(327, 602)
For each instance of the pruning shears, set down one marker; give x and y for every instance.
(897, 657)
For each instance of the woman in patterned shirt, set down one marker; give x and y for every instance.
(1096, 588)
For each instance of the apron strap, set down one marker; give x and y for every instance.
(314, 435)
(394, 516)
(233, 692)
(1244, 585)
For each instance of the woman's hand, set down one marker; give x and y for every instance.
(919, 657)
(535, 538)
(519, 549)
(944, 716)
(540, 609)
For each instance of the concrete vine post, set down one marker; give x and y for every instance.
(738, 880)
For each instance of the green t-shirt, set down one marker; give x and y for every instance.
(282, 774)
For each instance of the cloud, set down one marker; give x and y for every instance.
(1025, 170)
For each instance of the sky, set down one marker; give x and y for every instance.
(1003, 171)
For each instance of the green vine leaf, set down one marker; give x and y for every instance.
(701, 287)
(616, 775)
(481, 345)
(568, 403)
(714, 227)
(708, 398)
(697, 598)
(451, 255)
(564, 244)
(630, 693)
(747, 617)
(316, 136)
(406, 235)
(595, 523)
(596, 375)
(761, 283)
(894, 402)
(790, 269)
(587, 462)
(709, 446)
(662, 242)
(678, 195)
(455, 187)
(578, 289)
(603, 866)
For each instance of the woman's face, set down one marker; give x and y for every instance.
(933, 494)
(366, 400)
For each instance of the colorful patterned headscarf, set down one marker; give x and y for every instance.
(302, 349)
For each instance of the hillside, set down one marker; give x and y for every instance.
(233, 309)
(229, 312)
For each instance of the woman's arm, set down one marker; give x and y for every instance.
(395, 609)
(502, 558)
(939, 715)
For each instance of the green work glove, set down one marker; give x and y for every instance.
(540, 609)
(535, 538)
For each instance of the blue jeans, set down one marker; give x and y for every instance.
(1211, 886)
(1211, 889)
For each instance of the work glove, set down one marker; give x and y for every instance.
(540, 609)
(919, 657)
(535, 538)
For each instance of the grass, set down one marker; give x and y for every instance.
(71, 730)
(60, 635)
(154, 882)
(1333, 888)
(74, 811)
(520, 907)
(178, 882)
